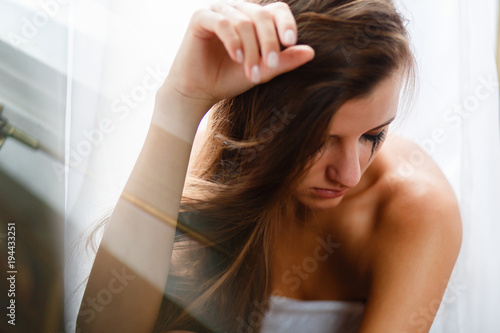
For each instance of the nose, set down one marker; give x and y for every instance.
(344, 166)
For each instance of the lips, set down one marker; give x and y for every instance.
(328, 193)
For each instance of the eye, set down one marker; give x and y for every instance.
(321, 148)
(328, 142)
(376, 140)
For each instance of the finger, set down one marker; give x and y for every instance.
(245, 27)
(266, 34)
(284, 21)
(248, 37)
(269, 19)
(210, 23)
(290, 58)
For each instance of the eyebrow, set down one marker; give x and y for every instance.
(384, 124)
(373, 129)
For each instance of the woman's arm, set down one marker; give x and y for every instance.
(225, 52)
(417, 241)
(126, 284)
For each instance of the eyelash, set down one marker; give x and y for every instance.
(376, 140)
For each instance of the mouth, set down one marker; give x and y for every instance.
(328, 193)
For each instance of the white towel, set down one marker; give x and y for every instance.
(288, 315)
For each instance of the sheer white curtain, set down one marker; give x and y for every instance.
(456, 119)
(120, 50)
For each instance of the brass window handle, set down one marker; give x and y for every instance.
(7, 130)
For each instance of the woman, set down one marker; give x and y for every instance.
(291, 201)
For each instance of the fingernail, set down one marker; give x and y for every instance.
(239, 56)
(290, 38)
(272, 59)
(255, 74)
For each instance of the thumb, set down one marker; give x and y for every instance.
(290, 58)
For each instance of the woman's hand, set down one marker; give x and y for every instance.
(233, 46)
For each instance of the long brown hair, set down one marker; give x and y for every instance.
(259, 144)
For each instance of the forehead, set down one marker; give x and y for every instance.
(362, 114)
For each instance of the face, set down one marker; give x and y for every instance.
(356, 134)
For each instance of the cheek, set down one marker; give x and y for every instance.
(317, 167)
(366, 157)
(306, 180)
(310, 176)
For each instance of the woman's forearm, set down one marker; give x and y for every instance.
(127, 281)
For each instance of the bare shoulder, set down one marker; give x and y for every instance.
(417, 195)
(412, 179)
(416, 239)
